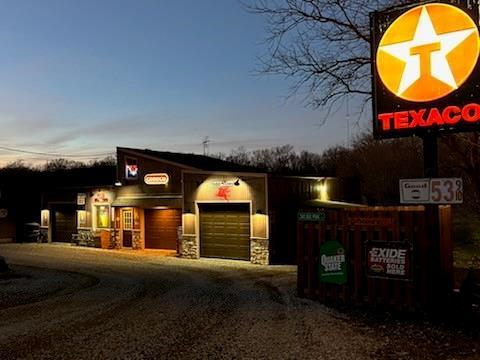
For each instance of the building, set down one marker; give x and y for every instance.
(196, 206)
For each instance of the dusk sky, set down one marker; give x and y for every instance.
(83, 76)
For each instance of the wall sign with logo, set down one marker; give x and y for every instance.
(431, 191)
(332, 263)
(131, 169)
(388, 260)
(223, 188)
(156, 179)
(426, 73)
(100, 197)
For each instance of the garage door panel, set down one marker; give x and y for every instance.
(161, 228)
(225, 231)
(65, 223)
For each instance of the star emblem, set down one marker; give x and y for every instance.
(428, 52)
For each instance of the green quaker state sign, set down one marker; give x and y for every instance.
(332, 263)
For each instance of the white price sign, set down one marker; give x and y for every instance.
(431, 191)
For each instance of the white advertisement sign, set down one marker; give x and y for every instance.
(156, 179)
(431, 191)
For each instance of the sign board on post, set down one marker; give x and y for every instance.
(425, 67)
(388, 260)
(332, 263)
(431, 191)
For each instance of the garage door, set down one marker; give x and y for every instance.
(161, 228)
(64, 223)
(225, 231)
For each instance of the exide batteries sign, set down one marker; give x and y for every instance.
(426, 69)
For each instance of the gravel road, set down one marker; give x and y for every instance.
(80, 303)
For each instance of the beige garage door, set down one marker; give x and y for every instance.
(225, 231)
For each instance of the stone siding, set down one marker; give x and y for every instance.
(137, 240)
(189, 247)
(259, 253)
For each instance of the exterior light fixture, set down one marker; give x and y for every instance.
(118, 183)
(237, 182)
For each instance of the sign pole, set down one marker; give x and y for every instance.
(430, 165)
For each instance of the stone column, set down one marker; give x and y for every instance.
(259, 252)
(189, 247)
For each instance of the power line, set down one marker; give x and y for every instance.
(53, 154)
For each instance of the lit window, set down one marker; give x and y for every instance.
(103, 216)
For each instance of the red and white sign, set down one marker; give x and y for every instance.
(156, 179)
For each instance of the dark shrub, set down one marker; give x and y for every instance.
(3, 265)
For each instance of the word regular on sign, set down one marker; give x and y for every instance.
(431, 191)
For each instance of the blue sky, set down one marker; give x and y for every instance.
(83, 76)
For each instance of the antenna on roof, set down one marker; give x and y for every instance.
(205, 143)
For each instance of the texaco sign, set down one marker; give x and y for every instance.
(425, 70)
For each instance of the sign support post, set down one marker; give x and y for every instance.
(443, 281)
(432, 220)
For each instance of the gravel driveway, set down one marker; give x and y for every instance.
(79, 303)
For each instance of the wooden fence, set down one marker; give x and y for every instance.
(431, 267)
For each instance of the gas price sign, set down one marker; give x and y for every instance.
(431, 191)
(446, 191)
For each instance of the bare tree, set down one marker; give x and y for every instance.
(322, 45)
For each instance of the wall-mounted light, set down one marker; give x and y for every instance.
(118, 183)
(323, 187)
(237, 182)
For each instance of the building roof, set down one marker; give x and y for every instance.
(198, 162)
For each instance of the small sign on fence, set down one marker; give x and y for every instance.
(318, 216)
(332, 263)
(388, 260)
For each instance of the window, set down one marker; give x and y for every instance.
(103, 216)
(127, 220)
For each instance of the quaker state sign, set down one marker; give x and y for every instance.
(332, 263)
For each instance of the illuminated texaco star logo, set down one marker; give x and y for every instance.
(428, 52)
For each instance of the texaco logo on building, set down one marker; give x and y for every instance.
(428, 52)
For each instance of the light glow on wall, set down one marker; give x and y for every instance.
(81, 218)
(323, 189)
(260, 226)
(188, 222)
(45, 218)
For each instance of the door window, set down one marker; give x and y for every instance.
(127, 220)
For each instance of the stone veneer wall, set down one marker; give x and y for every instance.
(259, 253)
(137, 241)
(189, 247)
(115, 240)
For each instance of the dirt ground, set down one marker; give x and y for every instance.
(66, 302)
